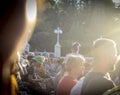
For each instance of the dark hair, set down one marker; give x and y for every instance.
(103, 44)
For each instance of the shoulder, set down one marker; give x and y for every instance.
(76, 90)
(113, 91)
(98, 85)
(99, 80)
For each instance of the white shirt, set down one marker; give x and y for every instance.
(76, 90)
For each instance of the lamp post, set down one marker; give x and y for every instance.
(57, 50)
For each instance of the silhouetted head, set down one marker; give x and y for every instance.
(104, 52)
(75, 47)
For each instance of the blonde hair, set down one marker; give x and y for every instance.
(72, 61)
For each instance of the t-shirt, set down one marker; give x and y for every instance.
(76, 90)
(96, 84)
(76, 54)
(65, 85)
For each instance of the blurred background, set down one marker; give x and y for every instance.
(79, 20)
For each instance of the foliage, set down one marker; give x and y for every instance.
(80, 20)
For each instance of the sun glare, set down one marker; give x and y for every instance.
(31, 10)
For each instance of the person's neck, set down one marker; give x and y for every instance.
(72, 75)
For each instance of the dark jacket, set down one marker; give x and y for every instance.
(96, 84)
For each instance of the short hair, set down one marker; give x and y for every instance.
(103, 44)
(72, 61)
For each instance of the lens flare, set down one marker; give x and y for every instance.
(31, 10)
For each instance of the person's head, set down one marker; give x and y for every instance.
(29, 57)
(38, 60)
(46, 54)
(38, 63)
(75, 47)
(104, 52)
(55, 60)
(74, 64)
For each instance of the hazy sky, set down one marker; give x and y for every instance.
(116, 1)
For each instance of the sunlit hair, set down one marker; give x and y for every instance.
(102, 45)
(72, 61)
(103, 41)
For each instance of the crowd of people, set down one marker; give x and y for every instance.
(33, 74)
(72, 74)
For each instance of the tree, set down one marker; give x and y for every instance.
(80, 20)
